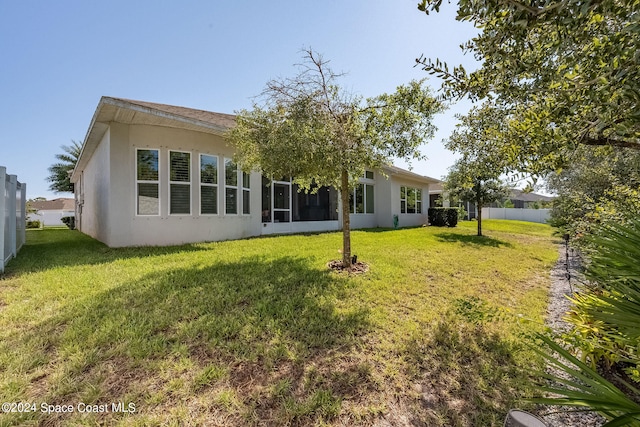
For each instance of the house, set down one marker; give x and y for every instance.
(156, 174)
(50, 212)
(524, 200)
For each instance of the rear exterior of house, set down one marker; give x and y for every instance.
(154, 174)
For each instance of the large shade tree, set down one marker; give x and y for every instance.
(59, 172)
(567, 72)
(310, 128)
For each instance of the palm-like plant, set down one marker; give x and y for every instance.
(608, 315)
(581, 386)
(59, 172)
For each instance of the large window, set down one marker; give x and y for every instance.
(147, 182)
(410, 200)
(283, 202)
(319, 204)
(230, 187)
(361, 199)
(179, 183)
(208, 184)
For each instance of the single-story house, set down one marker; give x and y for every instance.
(156, 174)
(50, 212)
(530, 200)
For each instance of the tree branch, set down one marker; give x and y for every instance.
(588, 140)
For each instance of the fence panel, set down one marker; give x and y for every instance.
(529, 215)
(12, 216)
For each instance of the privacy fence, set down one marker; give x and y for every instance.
(530, 215)
(12, 217)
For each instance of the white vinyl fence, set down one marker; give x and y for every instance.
(529, 215)
(12, 217)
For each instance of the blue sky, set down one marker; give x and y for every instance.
(59, 58)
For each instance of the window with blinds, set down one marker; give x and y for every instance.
(208, 184)
(179, 183)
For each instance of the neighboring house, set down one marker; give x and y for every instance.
(155, 174)
(50, 212)
(523, 200)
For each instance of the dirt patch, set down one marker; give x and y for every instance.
(356, 268)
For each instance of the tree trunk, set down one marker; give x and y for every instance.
(346, 226)
(479, 207)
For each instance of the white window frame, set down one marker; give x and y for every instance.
(247, 189)
(365, 182)
(179, 182)
(273, 201)
(206, 184)
(137, 181)
(236, 187)
(418, 202)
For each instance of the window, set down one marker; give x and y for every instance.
(208, 184)
(368, 174)
(410, 200)
(368, 197)
(246, 193)
(361, 200)
(179, 183)
(147, 182)
(230, 187)
(282, 200)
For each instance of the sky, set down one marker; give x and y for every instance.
(58, 58)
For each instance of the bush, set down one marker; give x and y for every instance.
(441, 217)
(452, 217)
(69, 221)
(33, 224)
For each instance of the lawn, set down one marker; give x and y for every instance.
(260, 332)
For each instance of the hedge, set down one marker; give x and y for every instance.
(441, 217)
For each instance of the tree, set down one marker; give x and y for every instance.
(598, 186)
(310, 128)
(566, 72)
(59, 172)
(473, 180)
(475, 177)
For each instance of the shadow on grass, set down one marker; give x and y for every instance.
(50, 248)
(385, 229)
(253, 317)
(467, 239)
(466, 374)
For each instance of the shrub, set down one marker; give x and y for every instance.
(33, 224)
(69, 221)
(452, 217)
(441, 217)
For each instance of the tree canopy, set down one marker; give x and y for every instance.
(59, 172)
(310, 128)
(601, 185)
(475, 177)
(567, 72)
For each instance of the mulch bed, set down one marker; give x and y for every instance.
(356, 268)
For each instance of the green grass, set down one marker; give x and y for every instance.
(260, 332)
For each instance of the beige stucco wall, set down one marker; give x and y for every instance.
(94, 192)
(109, 196)
(407, 220)
(118, 224)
